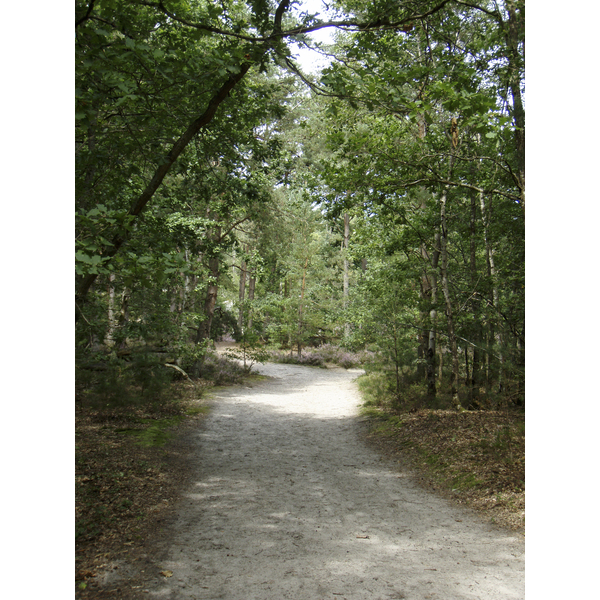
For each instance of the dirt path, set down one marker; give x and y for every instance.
(289, 503)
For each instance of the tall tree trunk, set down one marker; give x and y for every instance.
(432, 284)
(446, 290)
(242, 293)
(514, 35)
(301, 307)
(396, 359)
(346, 268)
(109, 340)
(210, 299)
(489, 251)
(251, 288)
(475, 302)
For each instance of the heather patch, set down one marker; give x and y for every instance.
(323, 355)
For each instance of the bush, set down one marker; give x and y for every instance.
(308, 358)
(326, 353)
(220, 370)
(112, 382)
(377, 388)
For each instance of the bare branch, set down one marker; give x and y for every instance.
(348, 25)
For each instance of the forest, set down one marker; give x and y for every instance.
(248, 189)
(373, 209)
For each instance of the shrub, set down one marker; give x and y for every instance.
(220, 370)
(326, 353)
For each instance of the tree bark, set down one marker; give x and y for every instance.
(346, 268)
(301, 307)
(489, 251)
(109, 340)
(251, 288)
(513, 31)
(430, 357)
(242, 293)
(212, 290)
(446, 290)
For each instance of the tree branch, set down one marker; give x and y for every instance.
(491, 13)
(160, 173)
(87, 14)
(349, 25)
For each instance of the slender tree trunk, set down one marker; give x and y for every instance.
(495, 293)
(301, 307)
(346, 268)
(476, 304)
(446, 290)
(109, 340)
(396, 360)
(124, 315)
(514, 35)
(243, 271)
(210, 299)
(432, 296)
(251, 288)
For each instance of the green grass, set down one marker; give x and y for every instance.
(156, 434)
(384, 423)
(465, 481)
(197, 410)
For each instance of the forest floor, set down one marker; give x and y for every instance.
(129, 488)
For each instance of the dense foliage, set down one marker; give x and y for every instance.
(222, 191)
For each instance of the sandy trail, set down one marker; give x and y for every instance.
(289, 503)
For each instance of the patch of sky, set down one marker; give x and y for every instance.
(311, 60)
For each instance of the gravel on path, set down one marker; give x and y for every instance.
(288, 502)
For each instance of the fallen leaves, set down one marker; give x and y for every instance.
(122, 490)
(476, 457)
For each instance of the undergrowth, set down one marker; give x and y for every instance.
(323, 355)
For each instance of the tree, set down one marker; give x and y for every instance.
(207, 175)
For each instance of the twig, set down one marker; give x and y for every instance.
(182, 372)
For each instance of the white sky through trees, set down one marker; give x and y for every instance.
(312, 61)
